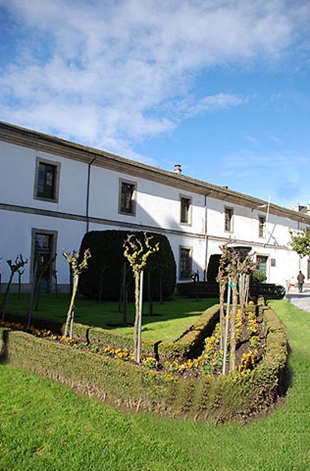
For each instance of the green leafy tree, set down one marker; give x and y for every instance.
(300, 242)
(137, 254)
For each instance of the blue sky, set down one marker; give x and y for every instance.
(221, 87)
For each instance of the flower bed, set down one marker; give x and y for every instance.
(174, 386)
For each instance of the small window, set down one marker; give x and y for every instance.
(46, 181)
(185, 268)
(127, 198)
(261, 226)
(229, 212)
(185, 217)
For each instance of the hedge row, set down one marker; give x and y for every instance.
(201, 289)
(188, 345)
(233, 397)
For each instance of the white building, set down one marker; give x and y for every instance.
(52, 191)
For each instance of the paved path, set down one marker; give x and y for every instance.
(301, 300)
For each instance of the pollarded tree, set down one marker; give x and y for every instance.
(14, 266)
(231, 268)
(249, 267)
(73, 260)
(137, 254)
(222, 279)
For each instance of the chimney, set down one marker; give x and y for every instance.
(178, 169)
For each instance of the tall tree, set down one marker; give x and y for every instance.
(137, 254)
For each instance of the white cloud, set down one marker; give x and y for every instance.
(103, 71)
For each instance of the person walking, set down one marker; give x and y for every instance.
(300, 281)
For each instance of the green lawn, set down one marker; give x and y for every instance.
(170, 319)
(45, 426)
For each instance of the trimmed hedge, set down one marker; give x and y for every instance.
(267, 290)
(188, 345)
(213, 267)
(236, 396)
(201, 289)
(104, 276)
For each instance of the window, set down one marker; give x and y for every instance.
(185, 217)
(229, 212)
(46, 181)
(185, 268)
(261, 226)
(127, 198)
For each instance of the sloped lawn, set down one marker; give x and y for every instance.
(45, 426)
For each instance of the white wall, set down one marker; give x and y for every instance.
(157, 207)
(275, 244)
(17, 180)
(17, 239)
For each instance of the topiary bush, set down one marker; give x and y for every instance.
(213, 267)
(104, 277)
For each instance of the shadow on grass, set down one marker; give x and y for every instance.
(4, 347)
(105, 314)
(287, 377)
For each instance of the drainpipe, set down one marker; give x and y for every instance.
(87, 193)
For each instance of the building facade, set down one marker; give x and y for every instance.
(53, 191)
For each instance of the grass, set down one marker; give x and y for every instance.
(46, 426)
(169, 319)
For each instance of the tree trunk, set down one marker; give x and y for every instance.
(242, 294)
(136, 334)
(71, 306)
(232, 362)
(222, 314)
(6, 296)
(225, 343)
(247, 288)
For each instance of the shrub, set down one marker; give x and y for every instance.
(213, 267)
(259, 275)
(103, 279)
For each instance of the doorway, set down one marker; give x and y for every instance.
(262, 264)
(43, 252)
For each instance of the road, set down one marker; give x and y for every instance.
(301, 300)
